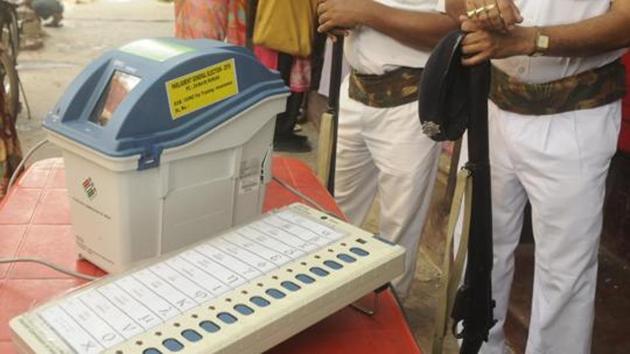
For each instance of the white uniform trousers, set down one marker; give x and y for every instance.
(560, 163)
(384, 150)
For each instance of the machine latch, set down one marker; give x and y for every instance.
(150, 158)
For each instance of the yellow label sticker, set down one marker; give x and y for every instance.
(202, 88)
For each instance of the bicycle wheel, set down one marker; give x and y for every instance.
(9, 80)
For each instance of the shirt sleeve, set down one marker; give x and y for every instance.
(441, 6)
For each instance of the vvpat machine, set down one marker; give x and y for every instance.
(165, 142)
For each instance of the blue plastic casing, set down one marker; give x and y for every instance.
(143, 123)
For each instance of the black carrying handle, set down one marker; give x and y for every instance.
(474, 304)
(333, 106)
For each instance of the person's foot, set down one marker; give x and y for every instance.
(291, 143)
(56, 21)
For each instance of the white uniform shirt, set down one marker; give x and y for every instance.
(549, 13)
(371, 52)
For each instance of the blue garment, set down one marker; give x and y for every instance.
(47, 8)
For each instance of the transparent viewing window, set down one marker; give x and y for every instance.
(116, 91)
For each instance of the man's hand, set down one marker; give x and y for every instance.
(592, 36)
(338, 16)
(480, 45)
(493, 15)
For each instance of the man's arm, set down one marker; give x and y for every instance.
(455, 8)
(413, 28)
(597, 35)
(593, 36)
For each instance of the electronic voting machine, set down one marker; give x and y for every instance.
(164, 141)
(242, 291)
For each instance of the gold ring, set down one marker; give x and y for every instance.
(479, 10)
(489, 7)
(470, 13)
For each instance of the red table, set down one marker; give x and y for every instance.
(35, 222)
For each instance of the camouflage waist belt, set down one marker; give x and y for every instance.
(590, 89)
(391, 89)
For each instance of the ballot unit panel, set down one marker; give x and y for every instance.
(242, 291)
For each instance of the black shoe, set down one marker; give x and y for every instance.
(291, 143)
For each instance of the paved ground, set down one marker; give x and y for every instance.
(89, 30)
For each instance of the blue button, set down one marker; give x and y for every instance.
(359, 251)
(209, 326)
(151, 351)
(259, 301)
(346, 258)
(291, 286)
(173, 345)
(333, 265)
(244, 309)
(319, 271)
(191, 335)
(304, 278)
(227, 317)
(275, 293)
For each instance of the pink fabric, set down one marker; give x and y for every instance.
(300, 70)
(301, 75)
(268, 57)
(213, 19)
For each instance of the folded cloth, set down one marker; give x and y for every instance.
(444, 106)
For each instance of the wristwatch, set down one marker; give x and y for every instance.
(542, 44)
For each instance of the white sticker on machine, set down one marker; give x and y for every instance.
(249, 176)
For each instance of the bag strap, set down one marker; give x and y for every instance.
(453, 267)
(333, 107)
